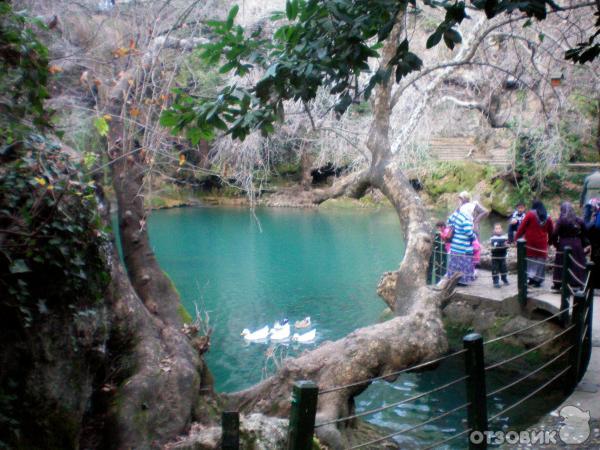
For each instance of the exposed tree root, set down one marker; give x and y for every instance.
(365, 353)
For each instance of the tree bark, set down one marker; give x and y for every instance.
(414, 335)
(365, 353)
(162, 393)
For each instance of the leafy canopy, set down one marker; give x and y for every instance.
(321, 43)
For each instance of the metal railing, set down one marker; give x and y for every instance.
(307, 394)
(576, 317)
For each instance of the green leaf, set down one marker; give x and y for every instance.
(231, 16)
(452, 37)
(291, 9)
(434, 39)
(101, 126)
(227, 67)
(343, 104)
(168, 119)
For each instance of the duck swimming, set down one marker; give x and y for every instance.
(257, 335)
(279, 325)
(307, 337)
(281, 334)
(304, 323)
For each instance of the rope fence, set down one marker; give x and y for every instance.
(414, 427)
(392, 405)
(392, 374)
(531, 394)
(529, 327)
(575, 314)
(529, 350)
(530, 374)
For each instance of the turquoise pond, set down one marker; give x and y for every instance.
(247, 270)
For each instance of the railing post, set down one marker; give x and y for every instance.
(573, 377)
(430, 267)
(230, 424)
(586, 346)
(522, 272)
(476, 391)
(302, 415)
(439, 259)
(444, 258)
(564, 288)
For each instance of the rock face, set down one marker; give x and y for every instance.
(461, 317)
(52, 368)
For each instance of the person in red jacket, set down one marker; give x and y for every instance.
(537, 229)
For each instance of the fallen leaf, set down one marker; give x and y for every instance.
(120, 52)
(134, 112)
(55, 69)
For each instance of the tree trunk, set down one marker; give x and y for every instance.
(161, 394)
(365, 353)
(147, 278)
(416, 334)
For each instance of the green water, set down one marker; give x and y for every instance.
(247, 271)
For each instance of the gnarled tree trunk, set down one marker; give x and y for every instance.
(168, 383)
(416, 334)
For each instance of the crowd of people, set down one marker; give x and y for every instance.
(582, 234)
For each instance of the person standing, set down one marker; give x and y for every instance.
(537, 228)
(591, 188)
(569, 231)
(461, 245)
(499, 249)
(592, 228)
(472, 208)
(515, 221)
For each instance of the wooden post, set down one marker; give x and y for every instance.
(430, 267)
(302, 415)
(230, 424)
(586, 345)
(476, 391)
(522, 272)
(439, 259)
(564, 288)
(444, 257)
(575, 352)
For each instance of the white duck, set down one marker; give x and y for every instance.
(257, 335)
(279, 325)
(307, 337)
(304, 323)
(281, 334)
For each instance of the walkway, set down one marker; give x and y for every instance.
(585, 397)
(505, 299)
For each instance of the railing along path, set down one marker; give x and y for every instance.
(568, 367)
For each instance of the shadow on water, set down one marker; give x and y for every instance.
(297, 263)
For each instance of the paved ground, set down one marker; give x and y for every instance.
(505, 299)
(586, 398)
